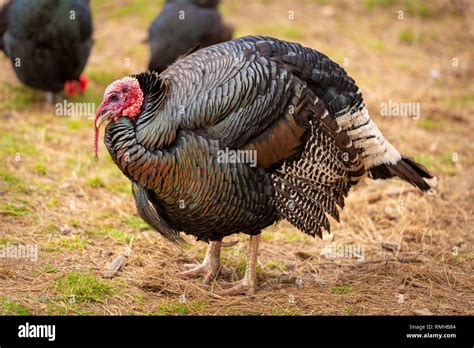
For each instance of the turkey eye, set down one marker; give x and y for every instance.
(113, 98)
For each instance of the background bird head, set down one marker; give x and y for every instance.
(73, 87)
(122, 98)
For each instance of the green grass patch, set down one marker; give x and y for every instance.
(48, 268)
(242, 265)
(73, 243)
(50, 248)
(12, 181)
(76, 125)
(83, 287)
(95, 182)
(5, 242)
(458, 101)
(419, 8)
(104, 78)
(19, 97)
(179, 308)
(293, 33)
(54, 309)
(74, 222)
(373, 4)
(119, 236)
(276, 265)
(50, 137)
(14, 209)
(229, 8)
(107, 214)
(93, 94)
(44, 187)
(341, 289)
(441, 164)
(111, 180)
(53, 202)
(49, 229)
(426, 123)
(281, 31)
(9, 178)
(137, 223)
(376, 45)
(67, 308)
(461, 258)
(143, 9)
(292, 235)
(40, 168)
(9, 307)
(123, 187)
(406, 36)
(285, 311)
(11, 145)
(321, 2)
(96, 232)
(139, 300)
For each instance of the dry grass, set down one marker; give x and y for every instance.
(81, 215)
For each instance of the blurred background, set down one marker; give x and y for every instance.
(80, 214)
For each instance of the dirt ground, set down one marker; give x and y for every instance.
(396, 251)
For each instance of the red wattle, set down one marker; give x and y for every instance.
(83, 82)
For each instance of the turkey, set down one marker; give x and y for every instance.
(186, 138)
(48, 43)
(184, 25)
(3, 20)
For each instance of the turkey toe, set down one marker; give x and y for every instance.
(237, 288)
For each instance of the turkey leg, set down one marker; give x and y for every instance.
(210, 266)
(248, 283)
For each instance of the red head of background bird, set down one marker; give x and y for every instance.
(74, 87)
(122, 98)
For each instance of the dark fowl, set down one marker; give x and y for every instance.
(299, 112)
(48, 42)
(4, 7)
(182, 26)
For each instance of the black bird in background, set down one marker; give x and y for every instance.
(182, 26)
(48, 42)
(3, 21)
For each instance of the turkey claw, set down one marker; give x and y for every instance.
(236, 288)
(209, 272)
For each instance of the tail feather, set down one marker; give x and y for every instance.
(309, 188)
(148, 212)
(407, 169)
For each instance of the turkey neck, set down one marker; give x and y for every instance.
(142, 149)
(157, 124)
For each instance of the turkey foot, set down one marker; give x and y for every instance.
(241, 287)
(248, 284)
(210, 266)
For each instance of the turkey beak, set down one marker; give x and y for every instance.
(101, 116)
(104, 116)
